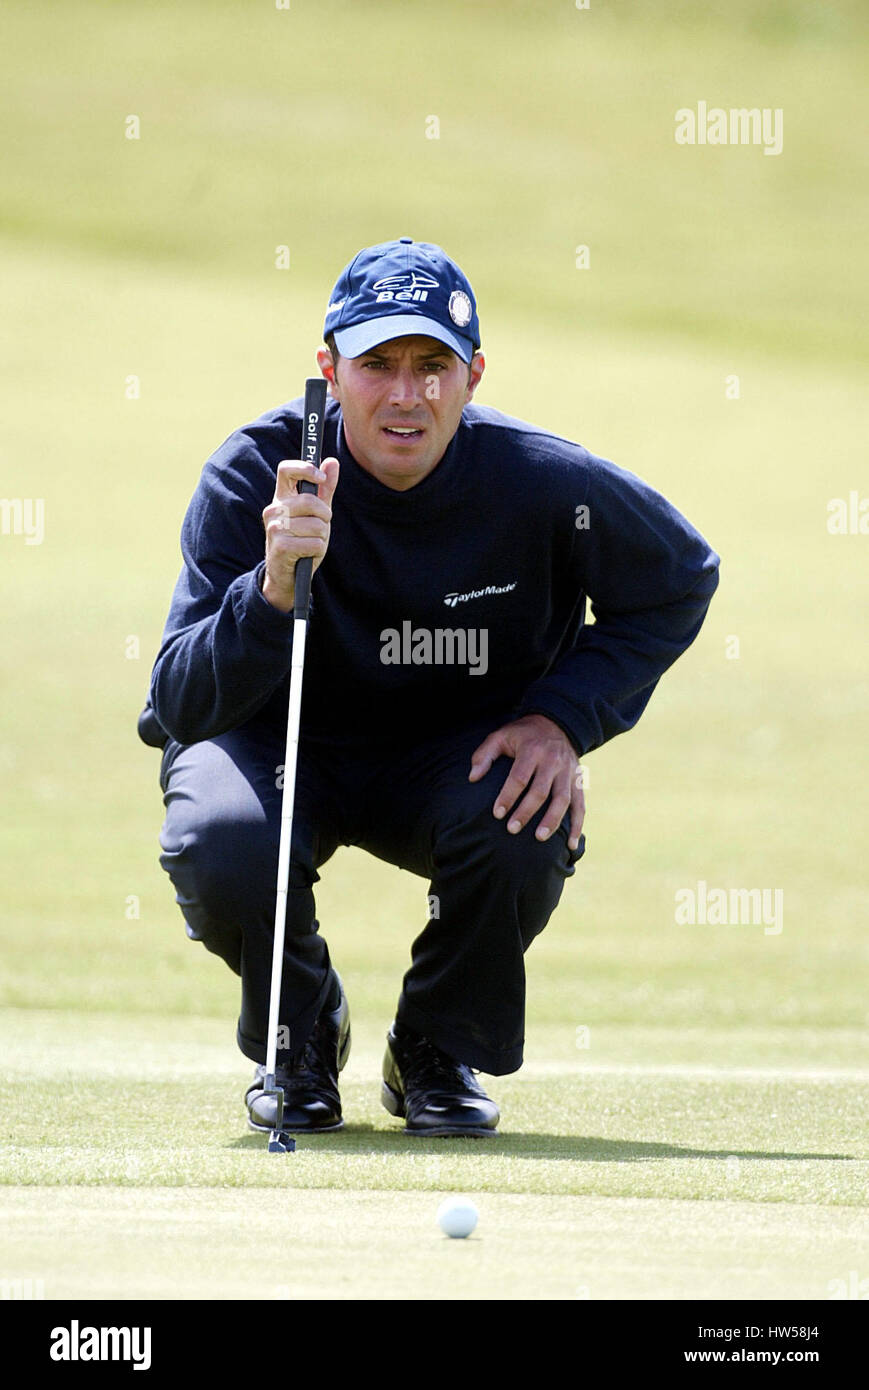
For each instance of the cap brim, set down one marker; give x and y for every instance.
(362, 337)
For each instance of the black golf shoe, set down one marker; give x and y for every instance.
(436, 1095)
(309, 1082)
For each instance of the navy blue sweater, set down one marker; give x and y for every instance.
(507, 537)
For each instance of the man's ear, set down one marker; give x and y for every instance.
(327, 367)
(477, 367)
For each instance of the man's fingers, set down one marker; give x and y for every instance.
(520, 775)
(541, 790)
(292, 471)
(483, 757)
(280, 525)
(297, 505)
(577, 814)
(544, 768)
(296, 548)
(555, 811)
(331, 467)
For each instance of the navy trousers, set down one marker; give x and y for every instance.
(492, 892)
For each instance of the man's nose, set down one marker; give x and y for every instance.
(404, 387)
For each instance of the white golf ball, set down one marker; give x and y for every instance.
(457, 1216)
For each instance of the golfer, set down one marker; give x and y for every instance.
(451, 685)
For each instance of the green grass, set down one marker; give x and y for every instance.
(171, 1243)
(631, 1176)
(711, 1140)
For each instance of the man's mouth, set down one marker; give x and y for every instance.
(403, 431)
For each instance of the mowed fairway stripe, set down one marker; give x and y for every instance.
(365, 1067)
(202, 1243)
(696, 1070)
(156, 1048)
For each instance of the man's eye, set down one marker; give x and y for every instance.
(374, 363)
(435, 367)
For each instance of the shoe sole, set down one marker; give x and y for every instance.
(319, 1129)
(449, 1132)
(393, 1102)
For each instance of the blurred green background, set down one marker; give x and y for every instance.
(155, 258)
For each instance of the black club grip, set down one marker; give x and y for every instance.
(313, 424)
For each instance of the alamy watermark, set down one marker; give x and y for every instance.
(851, 1287)
(23, 516)
(441, 646)
(848, 517)
(702, 906)
(740, 125)
(77, 1343)
(21, 1288)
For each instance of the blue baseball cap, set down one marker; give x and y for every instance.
(398, 288)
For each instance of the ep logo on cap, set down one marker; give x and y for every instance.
(399, 288)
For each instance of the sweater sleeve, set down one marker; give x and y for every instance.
(650, 577)
(225, 649)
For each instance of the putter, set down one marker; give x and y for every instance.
(312, 448)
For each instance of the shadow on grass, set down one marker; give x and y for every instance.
(365, 1139)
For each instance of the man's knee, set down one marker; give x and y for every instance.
(476, 834)
(221, 862)
(523, 877)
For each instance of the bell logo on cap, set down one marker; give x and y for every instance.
(413, 285)
(412, 280)
(460, 308)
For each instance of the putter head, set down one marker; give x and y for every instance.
(279, 1142)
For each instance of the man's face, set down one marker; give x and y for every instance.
(401, 404)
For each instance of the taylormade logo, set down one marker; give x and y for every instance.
(452, 599)
(76, 1343)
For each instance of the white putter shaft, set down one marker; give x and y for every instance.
(297, 666)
